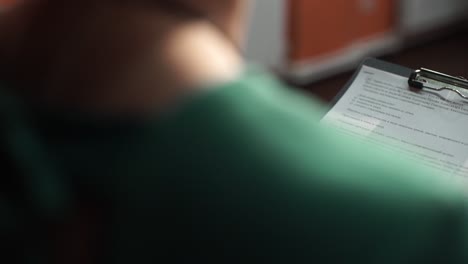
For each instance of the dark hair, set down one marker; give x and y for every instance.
(178, 8)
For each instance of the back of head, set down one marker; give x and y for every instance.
(39, 38)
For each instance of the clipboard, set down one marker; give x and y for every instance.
(383, 104)
(420, 79)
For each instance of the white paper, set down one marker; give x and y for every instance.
(430, 128)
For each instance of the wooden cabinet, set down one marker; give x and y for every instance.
(7, 3)
(319, 28)
(374, 17)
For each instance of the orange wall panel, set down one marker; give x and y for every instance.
(318, 27)
(373, 18)
(7, 2)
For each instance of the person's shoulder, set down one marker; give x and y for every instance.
(256, 90)
(277, 129)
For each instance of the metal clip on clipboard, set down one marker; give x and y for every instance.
(436, 81)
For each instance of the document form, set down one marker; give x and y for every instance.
(430, 128)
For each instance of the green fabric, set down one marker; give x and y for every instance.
(241, 173)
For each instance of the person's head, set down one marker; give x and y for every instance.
(25, 17)
(87, 43)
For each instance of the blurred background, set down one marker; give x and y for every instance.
(315, 45)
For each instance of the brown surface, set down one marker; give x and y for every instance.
(448, 54)
(320, 27)
(378, 17)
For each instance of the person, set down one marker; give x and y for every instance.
(134, 132)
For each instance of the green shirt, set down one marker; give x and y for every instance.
(240, 173)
